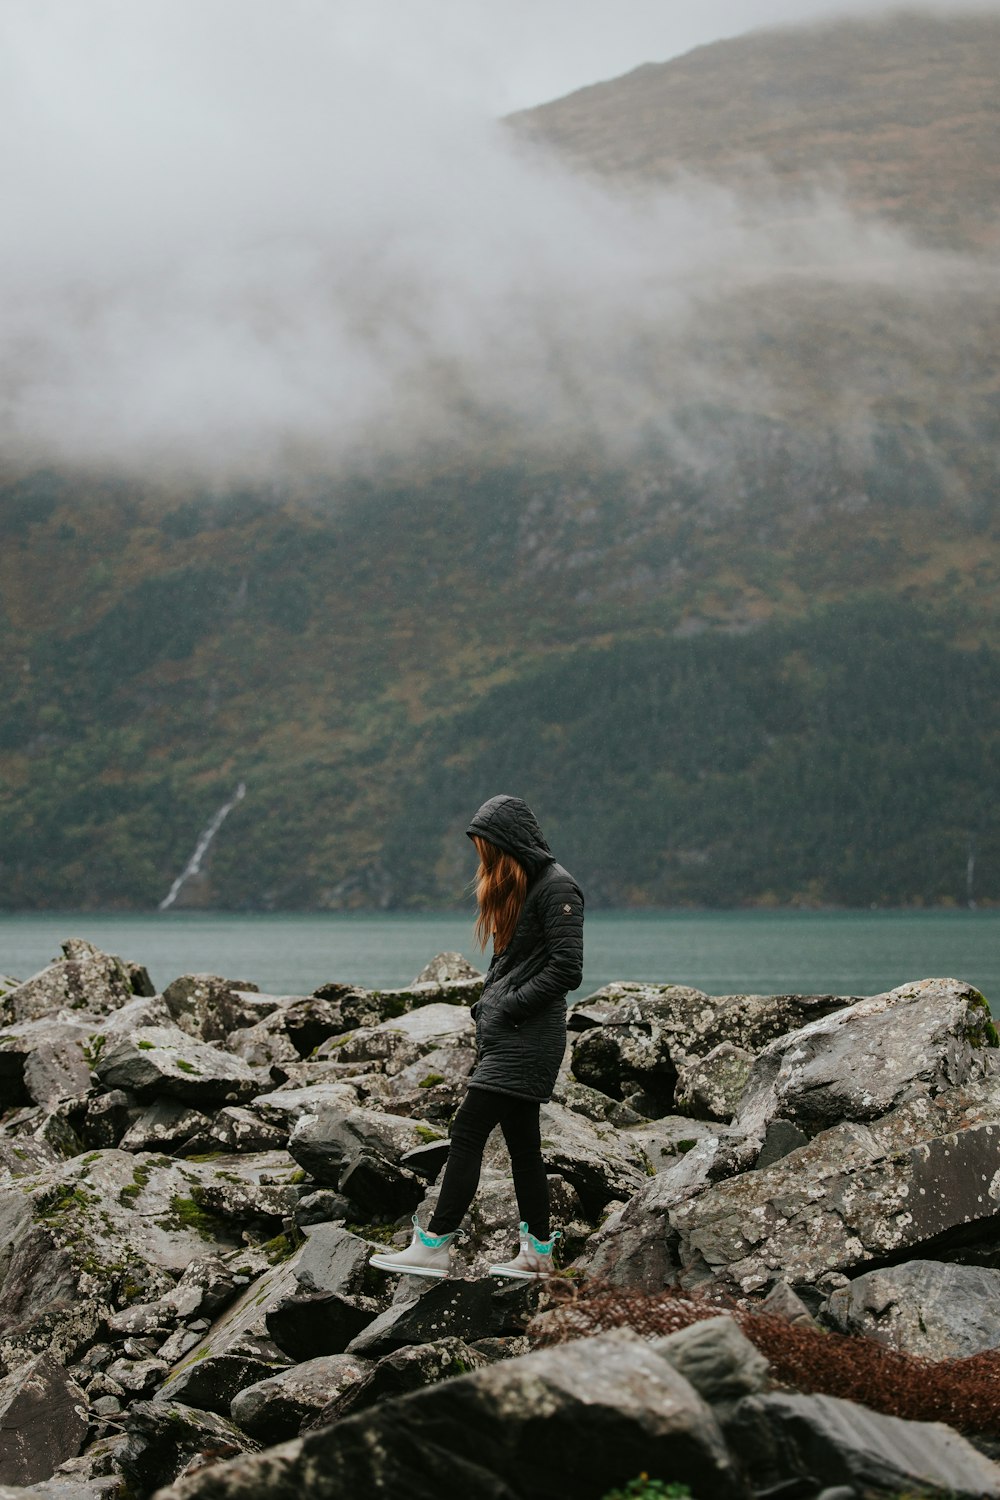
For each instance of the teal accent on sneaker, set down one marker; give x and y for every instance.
(540, 1247)
(432, 1241)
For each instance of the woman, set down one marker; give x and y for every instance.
(533, 910)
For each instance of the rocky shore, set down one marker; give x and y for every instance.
(750, 1187)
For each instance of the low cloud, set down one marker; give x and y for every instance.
(245, 242)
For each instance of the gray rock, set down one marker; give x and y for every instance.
(590, 1414)
(637, 1244)
(407, 1369)
(44, 1061)
(445, 968)
(600, 1162)
(43, 1417)
(710, 1087)
(166, 1439)
(85, 979)
(783, 1302)
(23, 1156)
(779, 1437)
(208, 1006)
(278, 1407)
(239, 1130)
(860, 1062)
(108, 1117)
(366, 1146)
(286, 1106)
(717, 1358)
(165, 1060)
(780, 1138)
(854, 1194)
(926, 1307)
(455, 1307)
(163, 1125)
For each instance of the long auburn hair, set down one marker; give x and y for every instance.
(501, 886)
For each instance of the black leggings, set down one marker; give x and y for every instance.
(480, 1111)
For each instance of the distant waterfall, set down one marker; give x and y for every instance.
(201, 847)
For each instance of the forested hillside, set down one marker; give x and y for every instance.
(751, 656)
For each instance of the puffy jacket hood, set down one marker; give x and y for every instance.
(509, 823)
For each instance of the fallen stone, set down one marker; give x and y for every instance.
(710, 1087)
(165, 1060)
(43, 1418)
(445, 968)
(407, 1369)
(333, 1141)
(238, 1130)
(162, 1126)
(926, 1307)
(165, 1439)
(580, 1419)
(780, 1437)
(717, 1358)
(859, 1062)
(277, 1408)
(85, 979)
(207, 1006)
(855, 1194)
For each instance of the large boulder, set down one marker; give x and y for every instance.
(167, 1439)
(926, 1307)
(580, 1419)
(859, 1062)
(359, 1152)
(45, 1060)
(207, 1006)
(84, 979)
(93, 1235)
(43, 1418)
(854, 1194)
(780, 1437)
(711, 1087)
(157, 1060)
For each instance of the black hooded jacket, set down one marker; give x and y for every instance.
(521, 1014)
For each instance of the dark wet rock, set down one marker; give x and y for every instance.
(444, 968)
(335, 1295)
(166, 1439)
(925, 1307)
(859, 1062)
(622, 1059)
(454, 1307)
(427, 1160)
(710, 1087)
(323, 1206)
(407, 1369)
(279, 1407)
(43, 1418)
(717, 1358)
(163, 1126)
(780, 1138)
(601, 1410)
(85, 979)
(163, 1060)
(207, 1006)
(780, 1436)
(107, 1118)
(855, 1194)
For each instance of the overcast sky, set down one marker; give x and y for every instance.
(238, 230)
(515, 53)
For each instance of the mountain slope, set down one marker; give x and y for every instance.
(901, 112)
(751, 654)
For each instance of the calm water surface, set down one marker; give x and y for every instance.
(847, 953)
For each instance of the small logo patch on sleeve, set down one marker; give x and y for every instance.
(567, 908)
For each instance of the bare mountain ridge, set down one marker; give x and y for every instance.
(902, 113)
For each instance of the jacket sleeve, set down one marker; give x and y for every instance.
(561, 911)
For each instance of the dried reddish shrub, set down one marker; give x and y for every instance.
(962, 1392)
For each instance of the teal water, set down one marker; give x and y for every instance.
(847, 953)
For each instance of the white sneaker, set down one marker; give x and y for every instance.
(534, 1258)
(427, 1255)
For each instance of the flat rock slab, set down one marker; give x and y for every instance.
(276, 1408)
(926, 1307)
(780, 1437)
(156, 1060)
(43, 1420)
(577, 1420)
